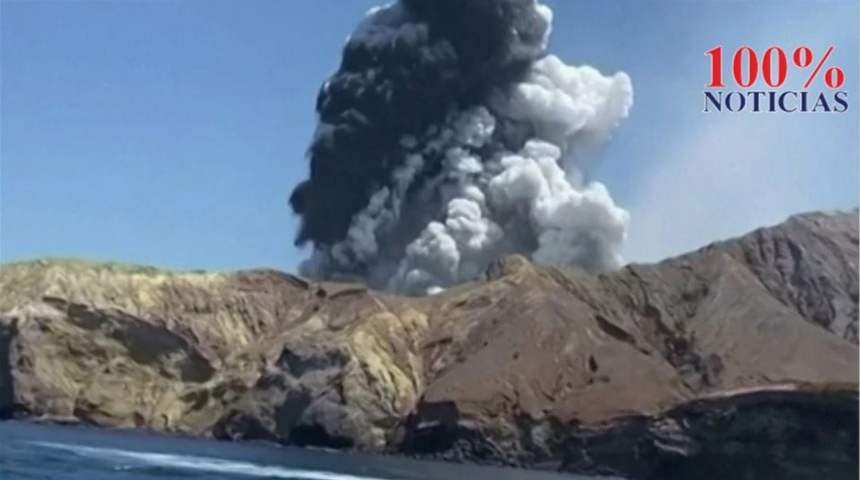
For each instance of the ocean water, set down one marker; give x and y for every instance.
(52, 452)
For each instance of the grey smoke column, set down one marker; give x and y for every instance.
(446, 138)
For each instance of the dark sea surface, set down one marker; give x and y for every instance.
(52, 452)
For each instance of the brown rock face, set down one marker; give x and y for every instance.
(737, 360)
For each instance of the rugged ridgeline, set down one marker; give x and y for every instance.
(738, 359)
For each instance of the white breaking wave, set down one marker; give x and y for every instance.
(206, 464)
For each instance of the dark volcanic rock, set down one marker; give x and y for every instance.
(786, 433)
(735, 361)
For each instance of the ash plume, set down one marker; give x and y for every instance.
(449, 137)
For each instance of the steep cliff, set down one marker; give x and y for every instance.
(740, 358)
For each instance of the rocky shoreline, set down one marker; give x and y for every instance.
(738, 360)
(767, 433)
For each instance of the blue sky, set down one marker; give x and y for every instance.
(171, 132)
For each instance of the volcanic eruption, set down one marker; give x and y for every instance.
(448, 137)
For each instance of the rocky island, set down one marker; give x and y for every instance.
(739, 360)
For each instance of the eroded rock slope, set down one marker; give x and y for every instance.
(741, 351)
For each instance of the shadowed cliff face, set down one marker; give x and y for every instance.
(743, 353)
